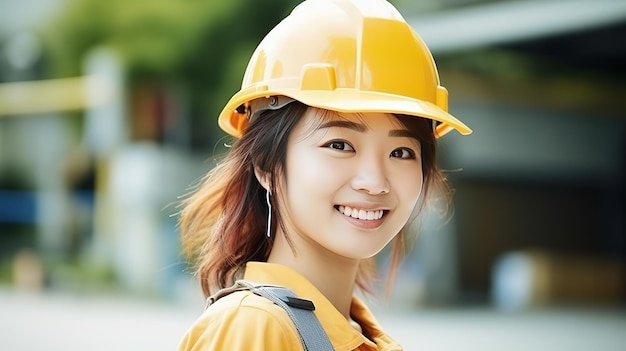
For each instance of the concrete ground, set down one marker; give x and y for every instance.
(68, 322)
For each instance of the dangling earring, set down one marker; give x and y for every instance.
(269, 213)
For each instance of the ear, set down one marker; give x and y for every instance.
(262, 177)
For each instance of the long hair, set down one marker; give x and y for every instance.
(223, 223)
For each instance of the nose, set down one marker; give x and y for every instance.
(371, 177)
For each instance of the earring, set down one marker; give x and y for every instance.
(269, 213)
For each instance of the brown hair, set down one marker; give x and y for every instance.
(223, 223)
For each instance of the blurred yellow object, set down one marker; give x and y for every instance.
(576, 278)
(28, 271)
(345, 56)
(538, 278)
(53, 95)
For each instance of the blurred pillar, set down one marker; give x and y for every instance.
(428, 276)
(51, 136)
(106, 125)
(145, 178)
(105, 132)
(134, 195)
(436, 250)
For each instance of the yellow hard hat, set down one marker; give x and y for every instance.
(346, 56)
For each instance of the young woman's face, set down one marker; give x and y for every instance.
(351, 182)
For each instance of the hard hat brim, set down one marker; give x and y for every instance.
(348, 101)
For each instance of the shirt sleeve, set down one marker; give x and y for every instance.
(243, 328)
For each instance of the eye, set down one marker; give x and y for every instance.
(403, 152)
(339, 145)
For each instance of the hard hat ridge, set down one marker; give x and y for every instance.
(356, 10)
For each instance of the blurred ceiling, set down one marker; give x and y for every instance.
(587, 33)
(534, 121)
(598, 48)
(590, 33)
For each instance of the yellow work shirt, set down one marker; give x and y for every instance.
(245, 321)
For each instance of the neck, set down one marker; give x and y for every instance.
(333, 275)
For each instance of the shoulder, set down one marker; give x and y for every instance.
(242, 321)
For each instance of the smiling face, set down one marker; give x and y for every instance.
(351, 182)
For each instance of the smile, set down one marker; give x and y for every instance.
(360, 214)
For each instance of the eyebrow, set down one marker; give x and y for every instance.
(403, 133)
(344, 124)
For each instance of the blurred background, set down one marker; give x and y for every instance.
(108, 115)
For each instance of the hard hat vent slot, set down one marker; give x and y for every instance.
(318, 76)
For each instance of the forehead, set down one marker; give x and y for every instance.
(314, 118)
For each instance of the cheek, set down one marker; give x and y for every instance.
(312, 173)
(305, 180)
(409, 185)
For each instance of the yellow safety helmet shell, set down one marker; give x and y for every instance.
(346, 56)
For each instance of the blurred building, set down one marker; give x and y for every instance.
(30, 148)
(543, 175)
(539, 186)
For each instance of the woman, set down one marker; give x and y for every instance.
(336, 121)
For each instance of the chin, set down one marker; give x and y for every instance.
(358, 255)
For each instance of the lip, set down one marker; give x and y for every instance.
(363, 223)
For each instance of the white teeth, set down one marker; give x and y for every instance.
(360, 214)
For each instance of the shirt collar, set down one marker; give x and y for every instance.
(342, 335)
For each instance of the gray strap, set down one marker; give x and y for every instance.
(312, 335)
(274, 102)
